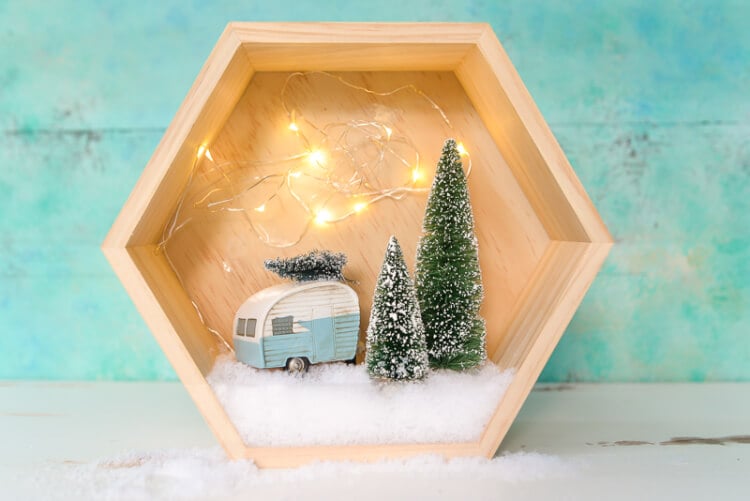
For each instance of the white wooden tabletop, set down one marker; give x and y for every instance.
(629, 441)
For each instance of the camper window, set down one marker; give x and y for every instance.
(250, 329)
(246, 326)
(282, 325)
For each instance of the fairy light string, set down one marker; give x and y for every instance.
(334, 163)
(346, 181)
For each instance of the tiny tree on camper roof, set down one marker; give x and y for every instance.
(448, 278)
(315, 265)
(396, 346)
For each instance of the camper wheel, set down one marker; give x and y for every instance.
(297, 364)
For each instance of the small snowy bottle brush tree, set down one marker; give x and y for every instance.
(396, 346)
(448, 278)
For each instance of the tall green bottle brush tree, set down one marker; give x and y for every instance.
(448, 277)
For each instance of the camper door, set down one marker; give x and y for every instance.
(323, 334)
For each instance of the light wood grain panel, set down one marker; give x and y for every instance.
(353, 57)
(394, 34)
(357, 46)
(292, 457)
(511, 238)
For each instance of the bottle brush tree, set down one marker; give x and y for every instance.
(315, 265)
(396, 346)
(448, 277)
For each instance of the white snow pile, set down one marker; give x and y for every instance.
(208, 474)
(338, 404)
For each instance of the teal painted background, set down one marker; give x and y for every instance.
(650, 100)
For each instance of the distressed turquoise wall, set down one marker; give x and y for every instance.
(651, 101)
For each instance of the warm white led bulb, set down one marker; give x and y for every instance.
(461, 149)
(359, 207)
(416, 174)
(322, 217)
(293, 127)
(317, 158)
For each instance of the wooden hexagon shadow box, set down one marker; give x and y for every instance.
(541, 241)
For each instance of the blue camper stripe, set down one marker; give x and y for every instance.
(249, 352)
(277, 349)
(273, 351)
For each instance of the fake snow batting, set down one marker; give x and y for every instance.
(338, 404)
(209, 474)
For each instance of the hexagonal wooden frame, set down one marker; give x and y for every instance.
(578, 239)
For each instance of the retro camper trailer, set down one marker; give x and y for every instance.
(295, 325)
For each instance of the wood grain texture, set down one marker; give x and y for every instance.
(410, 46)
(256, 131)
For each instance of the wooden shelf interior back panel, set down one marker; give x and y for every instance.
(541, 240)
(219, 259)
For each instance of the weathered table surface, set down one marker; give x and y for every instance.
(623, 441)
